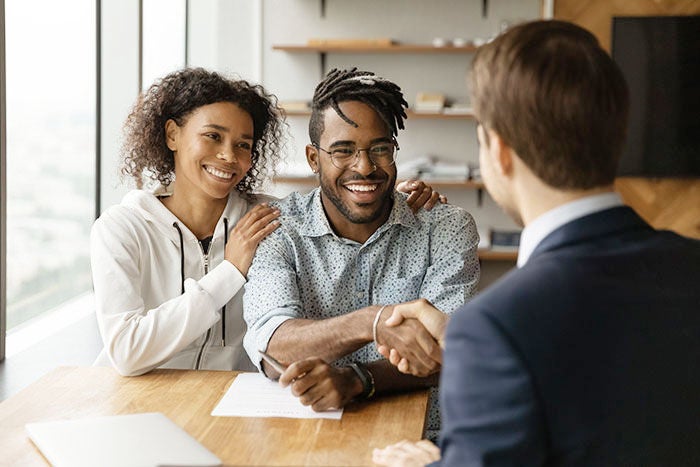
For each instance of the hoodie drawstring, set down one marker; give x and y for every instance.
(182, 257)
(223, 309)
(182, 273)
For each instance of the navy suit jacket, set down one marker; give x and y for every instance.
(588, 355)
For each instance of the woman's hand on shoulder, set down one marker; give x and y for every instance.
(247, 234)
(420, 195)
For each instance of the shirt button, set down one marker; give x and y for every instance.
(360, 294)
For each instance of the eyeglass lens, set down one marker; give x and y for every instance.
(381, 155)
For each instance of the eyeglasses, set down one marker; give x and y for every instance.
(380, 154)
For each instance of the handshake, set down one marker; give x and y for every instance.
(410, 339)
(426, 324)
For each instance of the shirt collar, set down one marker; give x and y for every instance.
(317, 225)
(551, 220)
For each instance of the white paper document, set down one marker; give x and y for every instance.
(253, 395)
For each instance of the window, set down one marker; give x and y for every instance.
(50, 160)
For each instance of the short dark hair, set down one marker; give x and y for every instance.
(383, 96)
(556, 97)
(176, 96)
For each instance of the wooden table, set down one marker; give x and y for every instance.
(188, 397)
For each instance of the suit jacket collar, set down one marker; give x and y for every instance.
(599, 224)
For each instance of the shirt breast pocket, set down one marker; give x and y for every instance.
(399, 289)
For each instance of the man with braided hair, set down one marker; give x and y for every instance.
(322, 285)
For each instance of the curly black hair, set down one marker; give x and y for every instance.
(176, 96)
(383, 96)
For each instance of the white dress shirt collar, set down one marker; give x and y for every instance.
(551, 220)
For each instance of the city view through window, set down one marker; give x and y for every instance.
(50, 88)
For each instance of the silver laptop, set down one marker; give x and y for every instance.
(137, 440)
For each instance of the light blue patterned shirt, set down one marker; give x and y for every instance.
(304, 270)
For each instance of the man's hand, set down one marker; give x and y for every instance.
(321, 385)
(412, 342)
(432, 320)
(420, 195)
(407, 454)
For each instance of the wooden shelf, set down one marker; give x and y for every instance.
(495, 255)
(323, 50)
(312, 180)
(440, 115)
(411, 114)
(391, 49)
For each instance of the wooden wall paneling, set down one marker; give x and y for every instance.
(672, 204)
(596, 15)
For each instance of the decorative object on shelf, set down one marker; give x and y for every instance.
(429, 102)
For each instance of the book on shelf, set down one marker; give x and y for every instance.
(458, 109)
(433, 168)
(296, 106)
(504, 240)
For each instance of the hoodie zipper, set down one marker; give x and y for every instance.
(205, 254)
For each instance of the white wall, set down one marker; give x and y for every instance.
(236, 36)
(225, 35)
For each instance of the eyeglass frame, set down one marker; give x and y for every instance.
(356, 155)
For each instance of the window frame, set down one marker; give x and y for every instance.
(3, 185)
(3, 160)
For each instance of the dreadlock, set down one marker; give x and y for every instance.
(383, 96)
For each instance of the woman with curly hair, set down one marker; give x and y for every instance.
(169, 263)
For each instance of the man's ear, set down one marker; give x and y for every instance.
(172, 130)
(312, 157)
(501, 153)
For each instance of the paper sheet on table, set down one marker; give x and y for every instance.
(253, 395)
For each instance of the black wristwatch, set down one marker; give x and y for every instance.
(366, 378)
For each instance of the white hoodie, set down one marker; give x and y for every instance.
(145, 319)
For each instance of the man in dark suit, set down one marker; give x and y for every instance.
(589, 352)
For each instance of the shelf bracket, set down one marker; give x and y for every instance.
(323, 8)
(479, 196)
(484, 8)
(322, 62)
